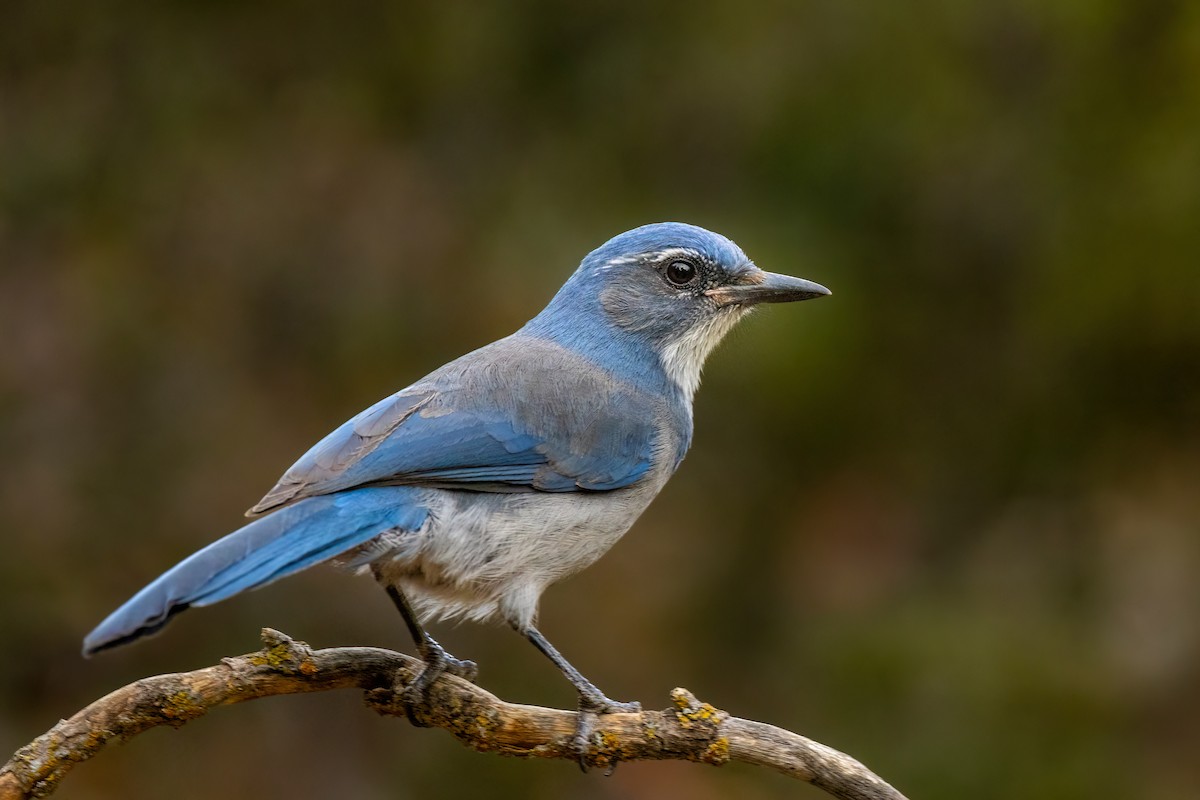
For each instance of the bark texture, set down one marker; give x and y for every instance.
(688, 730)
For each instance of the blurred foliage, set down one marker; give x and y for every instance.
(945, 520)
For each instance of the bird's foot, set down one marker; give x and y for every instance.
(437, 663)
(460, 668)
(592, 705)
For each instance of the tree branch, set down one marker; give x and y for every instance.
(689, 730)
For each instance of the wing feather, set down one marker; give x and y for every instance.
(486, 430)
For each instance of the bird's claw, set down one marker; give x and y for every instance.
(603, 705)
(591, 708)
(462, 668)
(437, 663)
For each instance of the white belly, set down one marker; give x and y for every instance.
(483, 555)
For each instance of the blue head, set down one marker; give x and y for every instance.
(665, 294)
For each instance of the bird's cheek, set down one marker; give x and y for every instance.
(634, 309)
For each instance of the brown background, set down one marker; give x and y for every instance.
(946, 520)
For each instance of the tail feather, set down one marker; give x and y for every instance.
(272, 547)
(284, 559)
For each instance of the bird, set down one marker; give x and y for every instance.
(521, 463)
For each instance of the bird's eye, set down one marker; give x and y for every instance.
(680, 273)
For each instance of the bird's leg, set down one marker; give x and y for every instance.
(592, 702)
(437, 660)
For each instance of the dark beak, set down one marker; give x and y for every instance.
(767, 287)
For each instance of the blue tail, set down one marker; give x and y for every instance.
(267, 549)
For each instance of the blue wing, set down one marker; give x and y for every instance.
(484, 429)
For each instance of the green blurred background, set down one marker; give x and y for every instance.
(947, 520)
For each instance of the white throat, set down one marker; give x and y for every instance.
(683, 359)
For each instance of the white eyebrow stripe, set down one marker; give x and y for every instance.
(658, 255)
(674, 252)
